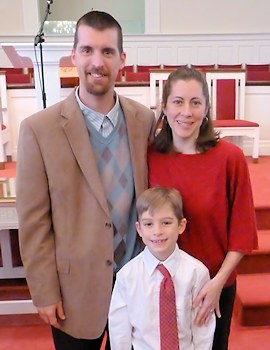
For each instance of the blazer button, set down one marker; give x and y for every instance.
(108, 262)
(108, 225)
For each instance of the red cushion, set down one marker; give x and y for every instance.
(169, 66)
(147, 68)
(18, 78)
(225, 99)
(233, 123)
(137, 76)
(258, 75)
(261, 67)
(128, 69)
(3, 127)
(229, 66)
(69, 81)
(203, 67)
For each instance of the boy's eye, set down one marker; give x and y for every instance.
(147, 224)
(167, 223)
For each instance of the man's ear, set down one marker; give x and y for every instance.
(72, 56)
(123, 60)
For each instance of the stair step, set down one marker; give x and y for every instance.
(20, 320)
(16, 289)
(252, 302)
(259, 260)
(262, 217)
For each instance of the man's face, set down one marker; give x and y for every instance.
(97, 59)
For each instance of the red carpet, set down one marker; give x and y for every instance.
(252, 306)
(9, 171)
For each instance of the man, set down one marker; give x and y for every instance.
(81, 163)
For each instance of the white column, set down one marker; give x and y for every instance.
(52, 52)
(30, 16)
(152, 16)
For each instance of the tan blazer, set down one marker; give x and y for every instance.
(66, 239)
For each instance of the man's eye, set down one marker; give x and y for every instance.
(108, 52)
(86, 50)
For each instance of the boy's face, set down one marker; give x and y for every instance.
(160, 231)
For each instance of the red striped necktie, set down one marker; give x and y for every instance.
(167, 312)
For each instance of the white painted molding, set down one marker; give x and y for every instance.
(152, 16)
(16, 307)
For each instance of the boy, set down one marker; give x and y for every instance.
(134, 318)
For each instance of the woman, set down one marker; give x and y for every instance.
(213, 177)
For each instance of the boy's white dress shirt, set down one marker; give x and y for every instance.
(134, 309)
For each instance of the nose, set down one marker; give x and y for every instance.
(158, 230)
(97, 59)
(186, 109)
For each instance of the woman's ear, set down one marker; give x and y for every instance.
(162, 107)
(207, 110)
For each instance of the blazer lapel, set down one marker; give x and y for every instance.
(136, 137)
(77, 134)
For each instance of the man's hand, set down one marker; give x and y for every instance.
(51, 313)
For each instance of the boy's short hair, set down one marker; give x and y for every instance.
(100, 21)
(156, 197)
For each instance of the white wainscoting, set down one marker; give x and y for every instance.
(148, 50)
(198, 49)
(169, 48)
(22, 103)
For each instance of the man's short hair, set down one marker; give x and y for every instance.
(100, 21)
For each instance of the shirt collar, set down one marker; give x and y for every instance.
(151, 262)
(95, 117)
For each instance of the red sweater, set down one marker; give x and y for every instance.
(217, 200)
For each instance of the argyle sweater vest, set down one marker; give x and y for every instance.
(115, 169)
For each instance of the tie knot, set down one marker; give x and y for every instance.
(164, 271)
(106, 127)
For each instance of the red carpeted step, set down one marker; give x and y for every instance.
(263, 217)
(252, 302)
(259, 260)
(16, 289)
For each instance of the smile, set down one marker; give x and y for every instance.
(158, 240)
(183, 122)
(95, 75)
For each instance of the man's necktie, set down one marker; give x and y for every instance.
(106, 127)
(167, 312)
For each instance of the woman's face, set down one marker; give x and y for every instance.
(185, 109)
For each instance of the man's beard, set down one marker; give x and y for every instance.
(97, 90)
